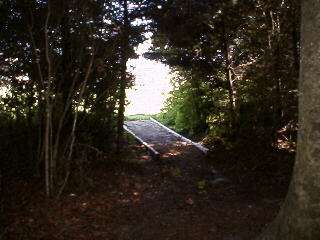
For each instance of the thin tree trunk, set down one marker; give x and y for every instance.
(47, 152)
(74, 123)
(274, 51)
(299, 217)
(231, 87)
(39, 86)
(123, 80)
(47, 131)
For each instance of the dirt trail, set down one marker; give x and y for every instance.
(183, 196)
(179, 196)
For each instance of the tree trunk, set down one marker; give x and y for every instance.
(62, 111)
(123, 80)
(299, 217)
(47, 141)
(2, 204)
(231, 87)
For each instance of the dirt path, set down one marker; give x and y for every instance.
(179, 196)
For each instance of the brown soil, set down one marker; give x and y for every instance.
(179, 196)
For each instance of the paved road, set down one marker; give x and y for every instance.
(156, 135)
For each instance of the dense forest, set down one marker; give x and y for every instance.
(63, 80)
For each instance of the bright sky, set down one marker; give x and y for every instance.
(152, 84)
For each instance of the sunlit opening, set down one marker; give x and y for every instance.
(152, 84)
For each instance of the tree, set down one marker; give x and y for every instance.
(246, 55)
(123, 72)
(63, 64)
(299, 217)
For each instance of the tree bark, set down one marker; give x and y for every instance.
(47, 126)
(123, 80)
(231, 87)
(299, 217)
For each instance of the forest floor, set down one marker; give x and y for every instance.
(183, 195)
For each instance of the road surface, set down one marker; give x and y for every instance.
(158, 137)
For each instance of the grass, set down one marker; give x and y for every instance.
(136, 117)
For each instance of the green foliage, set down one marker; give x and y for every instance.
(245, 58)
(184, 110)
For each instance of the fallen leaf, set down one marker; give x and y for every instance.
(189, 201)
